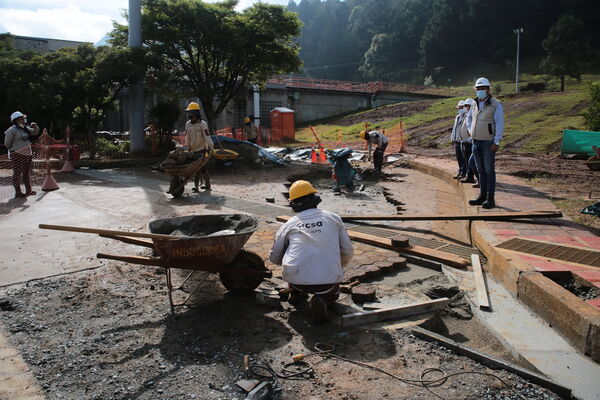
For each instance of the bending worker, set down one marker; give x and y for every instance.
(312, 247)
(198, 141)
(378, 138)
(250, 130)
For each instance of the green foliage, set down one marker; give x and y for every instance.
(106, 148)
(566, 49)
(409, 39)
(592, 116)
(69, 87)
(214, 49)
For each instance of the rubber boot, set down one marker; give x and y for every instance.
(489, 202)
(206, 180)
(318, 310)
(478, 201)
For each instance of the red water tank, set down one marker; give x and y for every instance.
(282, 124)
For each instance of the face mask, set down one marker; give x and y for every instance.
(482, 94)
(462, 111)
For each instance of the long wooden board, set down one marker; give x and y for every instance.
(107, 232)
(386, 243)
(456, 217)
(482, 293)
(367, 317)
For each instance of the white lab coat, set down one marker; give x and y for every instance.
(312, 247)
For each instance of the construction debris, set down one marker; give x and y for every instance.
(364, 293)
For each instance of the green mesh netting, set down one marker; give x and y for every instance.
(579, 142)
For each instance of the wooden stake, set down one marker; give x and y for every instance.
(107, 232)
(455, 217)
(482, 293)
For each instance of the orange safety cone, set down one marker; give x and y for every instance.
(49, 183)
(313, 156)
(67, 167)
(322, 157)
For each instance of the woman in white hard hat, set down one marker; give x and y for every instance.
(17, 140)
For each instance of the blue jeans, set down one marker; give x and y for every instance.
(485, 160)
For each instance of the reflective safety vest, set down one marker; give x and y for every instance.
(484, 125)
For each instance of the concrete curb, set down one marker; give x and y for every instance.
(577, 321)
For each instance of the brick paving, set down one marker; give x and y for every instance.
(512, 194)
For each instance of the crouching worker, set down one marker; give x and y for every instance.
(312, 247)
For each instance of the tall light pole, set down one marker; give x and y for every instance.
(518, 32)
(136, 85)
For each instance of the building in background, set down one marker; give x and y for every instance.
(40, 45)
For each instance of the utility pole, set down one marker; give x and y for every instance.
(136, 86)
(518, 32)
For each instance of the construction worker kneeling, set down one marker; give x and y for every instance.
(312, 247)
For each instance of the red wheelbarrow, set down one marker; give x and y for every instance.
(211, 243)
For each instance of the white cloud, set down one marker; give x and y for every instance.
(68, 23)
(80, 20)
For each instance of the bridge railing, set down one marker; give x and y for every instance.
(348, 86)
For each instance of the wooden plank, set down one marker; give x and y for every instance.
(157, 262)
(367, 317)
(386, 243)
(491, 361)
(482, 293)
(457, 217)
(107, 232)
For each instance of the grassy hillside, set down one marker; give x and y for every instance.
(534, 121)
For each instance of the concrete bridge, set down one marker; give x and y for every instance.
(311, 99)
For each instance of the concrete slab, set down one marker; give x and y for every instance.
(531, 340)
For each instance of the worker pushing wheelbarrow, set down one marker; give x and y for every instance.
(199, 143)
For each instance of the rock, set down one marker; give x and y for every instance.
(364, 293)
(247, 384)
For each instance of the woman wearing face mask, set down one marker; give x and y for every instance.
(17, 140)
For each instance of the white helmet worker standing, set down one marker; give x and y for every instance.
(456, 140)
(17, 140)
(487, 130)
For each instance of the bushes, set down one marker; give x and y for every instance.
(106, 148)
(592, 116)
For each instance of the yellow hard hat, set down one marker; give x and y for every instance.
(363, 134)
(193, 106)
(247, 120)
(301, 189)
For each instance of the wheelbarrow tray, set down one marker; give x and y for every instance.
(195, 250)
(187, 170)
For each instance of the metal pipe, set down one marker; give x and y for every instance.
(136, 87)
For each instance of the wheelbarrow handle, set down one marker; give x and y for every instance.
(106, 232)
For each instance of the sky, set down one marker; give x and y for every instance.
(83, 20)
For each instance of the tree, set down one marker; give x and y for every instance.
(566, 49)
(216, 50)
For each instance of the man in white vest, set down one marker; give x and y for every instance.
(487, 129)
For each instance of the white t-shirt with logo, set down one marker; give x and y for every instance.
(312, 247)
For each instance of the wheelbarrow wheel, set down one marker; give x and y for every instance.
(176, 189)
(238, 283)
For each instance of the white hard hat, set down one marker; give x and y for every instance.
(469, 102)
(482, 82)
(460, 104)
(16, 115)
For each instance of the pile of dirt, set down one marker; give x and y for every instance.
(179, 156)
(384, 113)
(204, 225)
